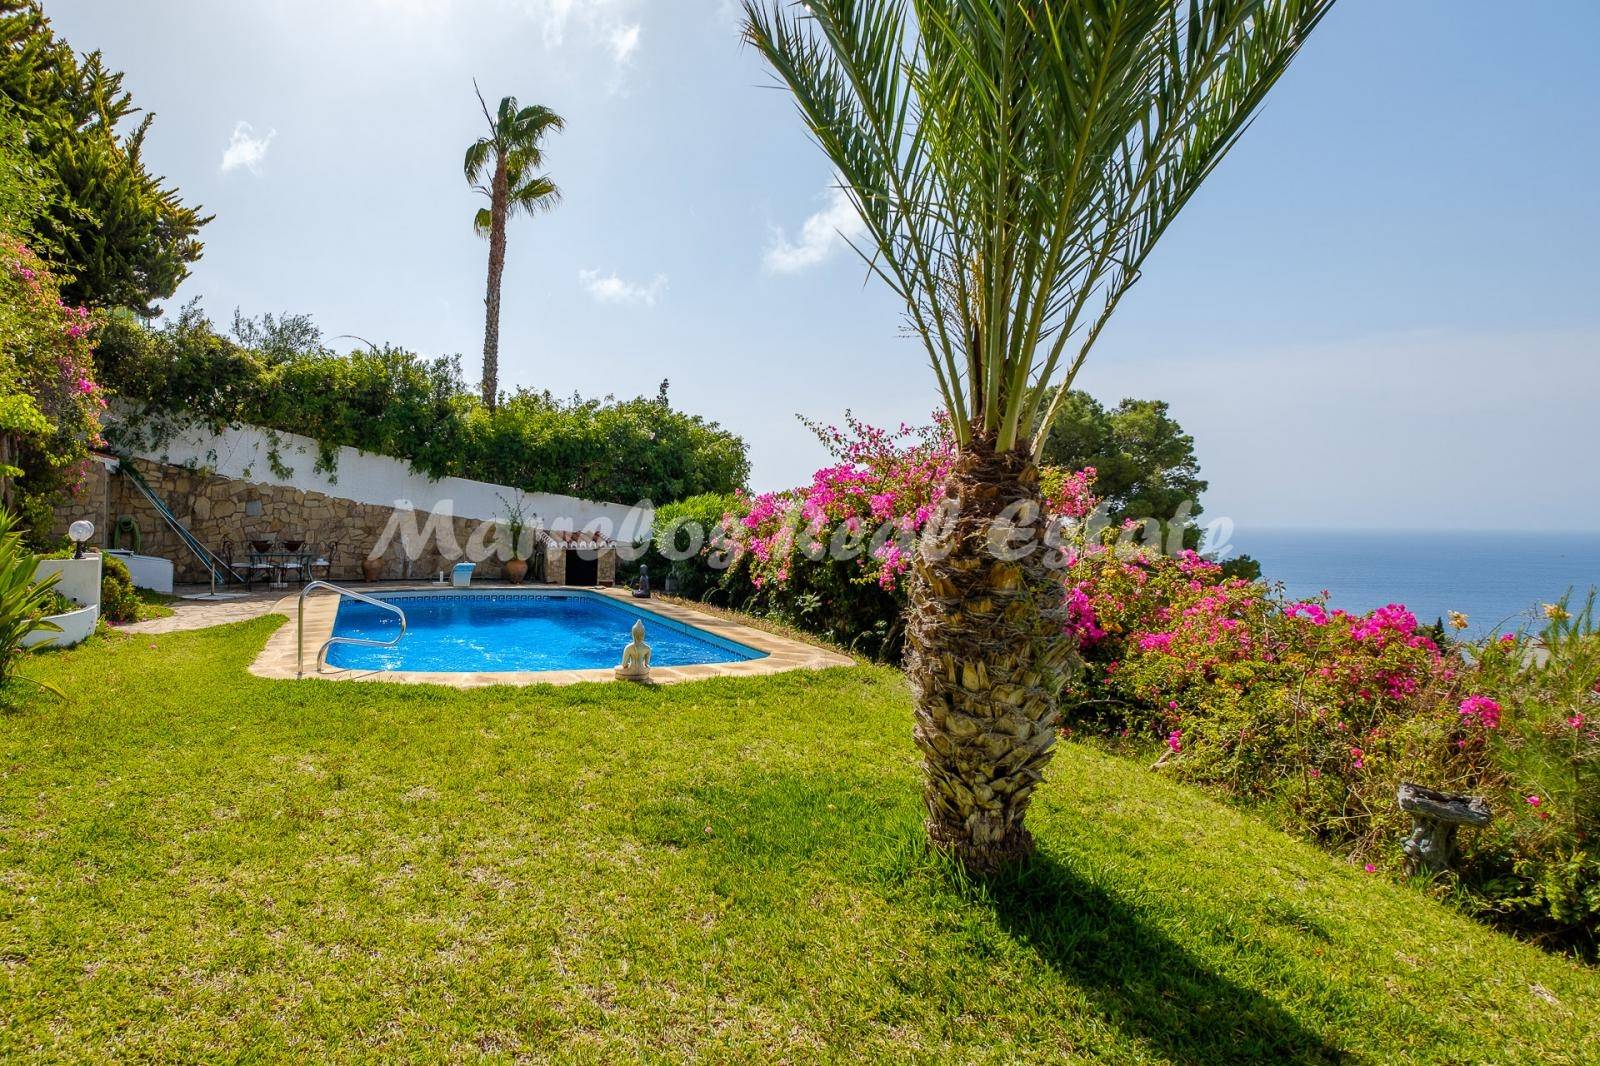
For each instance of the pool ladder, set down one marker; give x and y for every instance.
(322, 652)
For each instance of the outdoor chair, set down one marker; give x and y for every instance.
(323, 562)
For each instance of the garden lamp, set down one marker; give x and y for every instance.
(79, 533)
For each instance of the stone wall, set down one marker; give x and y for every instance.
(225, 514)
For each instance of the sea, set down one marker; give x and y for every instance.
(1499, 580)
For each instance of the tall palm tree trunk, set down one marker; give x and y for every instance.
(987, 657)
(491, 300)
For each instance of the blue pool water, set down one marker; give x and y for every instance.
(500, 632)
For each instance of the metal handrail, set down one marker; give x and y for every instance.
(185, 536)
(322, 652)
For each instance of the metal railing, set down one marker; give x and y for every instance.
(206, 556)
(322, 652)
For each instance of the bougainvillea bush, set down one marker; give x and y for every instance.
(1320, 715)
(831, 556)
(49, 402)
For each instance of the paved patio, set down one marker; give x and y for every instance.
(202, 614)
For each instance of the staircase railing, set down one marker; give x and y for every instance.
(322, 652)
(216, 567)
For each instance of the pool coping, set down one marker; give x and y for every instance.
(277, 660)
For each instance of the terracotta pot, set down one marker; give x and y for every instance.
(516, 570)
(372, 569)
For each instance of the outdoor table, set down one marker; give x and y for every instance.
(279, 561)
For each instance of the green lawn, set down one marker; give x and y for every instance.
(196, 863)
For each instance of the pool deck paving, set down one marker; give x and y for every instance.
(203, 614)
(279, 659)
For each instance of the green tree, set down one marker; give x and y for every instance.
(505, 167)
(1013, 162)
(1144, 462)
(120, 235)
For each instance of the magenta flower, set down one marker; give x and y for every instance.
(1175, 741)
(1534, 801)
(1481, 711)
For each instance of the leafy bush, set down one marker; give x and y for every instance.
(396, 403)
(829, 557)
(49, 402)
(53, 603)
(676, 549)
(1320, 715)
(120, 602)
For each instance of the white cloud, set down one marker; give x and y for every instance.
(611, 289)
(820, 235)
(245, 149)
(624, 41)
(594, 19)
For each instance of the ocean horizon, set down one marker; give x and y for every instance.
(1498, 578)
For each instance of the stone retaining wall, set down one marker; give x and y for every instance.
(225, 514)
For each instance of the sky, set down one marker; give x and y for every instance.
(1381, 311)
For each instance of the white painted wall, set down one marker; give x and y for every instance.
(367, 478)
(148, 571)
(80, 582)
(80, 578)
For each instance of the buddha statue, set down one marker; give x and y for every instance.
(635, 657)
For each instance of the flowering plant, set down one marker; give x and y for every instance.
(1318, 715)
(832, 555)
(50, 404)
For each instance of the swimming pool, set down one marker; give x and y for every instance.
(505, 632)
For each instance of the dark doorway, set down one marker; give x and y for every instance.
(581, 571)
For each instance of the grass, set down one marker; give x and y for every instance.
(154, 605)
(195, 863)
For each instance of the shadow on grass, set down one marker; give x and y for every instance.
(1144, 982)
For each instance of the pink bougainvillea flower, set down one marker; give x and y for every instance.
(1175, 741)
(1481, 711)
(1370, 868)
(1534, 801)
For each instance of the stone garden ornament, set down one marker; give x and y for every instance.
(635, 657)
(1435, 817)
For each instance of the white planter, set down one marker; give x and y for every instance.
(80, 578)
(148, 571)
(76, 627)
(80, 582)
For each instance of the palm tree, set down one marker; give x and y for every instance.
(504, 166)
(1014, 162)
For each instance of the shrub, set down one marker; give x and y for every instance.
(120, 602)
(1320, 715)
(393, 402)
(677, 546)
(49, 402)
(829, 557)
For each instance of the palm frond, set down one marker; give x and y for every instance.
(1014, 161)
